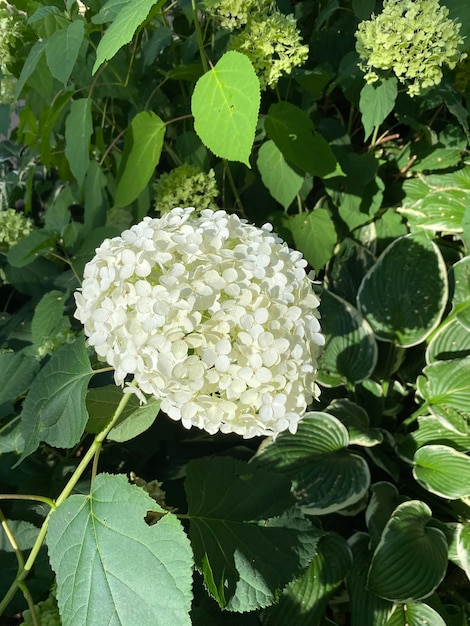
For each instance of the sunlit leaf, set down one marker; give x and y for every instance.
(443, 471)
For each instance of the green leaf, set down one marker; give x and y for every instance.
(411, 558)
(376, 102)
(356, 420)
(225, 105)
(102, 403)
(431, 430)
(460, 280)
(47, 316)
(78, 131)
(126, 22)
(445, 387)
(95, 197)
(415, 614)
(293, 133)
(18, 371)
(54, 410)
(383, 501)
(405, 305)
(443, 471)
(327, 476)
(37, 243)
(315, 236)
(451, 341)
(350, 352)
(35, 55)
(304, 601)
(459, 548)
(142, 149)
(282, 182)
(62, 50)
(347, 268)
(249, 543)
(111, 566)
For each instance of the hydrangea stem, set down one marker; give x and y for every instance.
(200, 42)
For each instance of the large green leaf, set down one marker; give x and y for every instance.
(111, 566)
(410, 560)
(460, 280)
(315, 236)
(415, 614)
(78, 131)
(445, 387)
(304, 601)
(18, 371)
(451, 341)
(431, 430)
(142, 149)
(327, 476)
(404, 294)
(225, 105)
(350, 352)
(376, 102)
(54, 410)
(279, 178)
(356, 420)
(248, 543)
(443, 471)
(130, 16)
(62, 50)
(292, 131)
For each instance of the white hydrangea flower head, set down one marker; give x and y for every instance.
(214, 316)
(412, 38)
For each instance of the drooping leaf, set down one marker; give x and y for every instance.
(112, 566)
(376, 102)
(35, 55)
(443, 471)
(410, 560)
(327, 476)
(249, 543)
(404, 294)
(279, 178)
(78, 131)
(62, 50)
(315, 236)
(54, 410)
(225, 105)
(414, 614)
(18, 371)
(142, 150)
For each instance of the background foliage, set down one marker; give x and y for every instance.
(363, 516)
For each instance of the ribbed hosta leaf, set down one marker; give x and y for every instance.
(432, 431)
(443, 471)
(460, 277)
(327, 476)
(459, 548)
(350, 352)
(404, 294)
(411, 559)
(415, 614)
(452, 341)
(356, 421)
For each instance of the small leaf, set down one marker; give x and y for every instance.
(225, 105)
(113, 567)
(18, 371)
(47, 316)
(142, 149)
(411, 558)
(62, 50)
(78, 131)
(26, 250)
(315, 236)
(415, 614)
(54, 410)
(376, 102)
(282, 182)
(32, 60)
(443, 471)
(460, 279)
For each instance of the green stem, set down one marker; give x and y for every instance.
(414, 416)
(93, 450)
(200, 41)
(374, 137)
(233, 187)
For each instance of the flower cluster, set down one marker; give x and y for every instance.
(413, 38)
(11, 29)
(212, 315)
(273, 44)
(47, 613)
(233, 14)
(13, 227)
(184, 185)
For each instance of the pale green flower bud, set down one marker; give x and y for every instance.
(13, 227)
(186, 185)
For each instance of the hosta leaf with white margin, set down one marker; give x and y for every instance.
(247, 539)
(350, 352)
(54, 410)
(443, 471)
(445, 388)
(414, 614)
(383, 501)
(18, 372)
(315, 236)
(327, 476)
(304, 600)
(282, 182)
(135, 419)
(451, 341)
(78, 131)
(460, 281)
(459, 546)
(48, 316)
(225, 104)
(126, 22)
(431, 430)
(365, 607)
(292, 131)
(112, 567)
(142, 149)
(62, 50)
(437, 202)
(356, 420)
(410, 560)
(404, 294)
(376, 102)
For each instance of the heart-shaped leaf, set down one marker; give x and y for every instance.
(443, 471)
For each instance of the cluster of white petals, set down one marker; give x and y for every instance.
(214, 316)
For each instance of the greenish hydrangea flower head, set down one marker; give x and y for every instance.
(13, 227)
(233, 14)
(186, 185)
(47, 613)
(11, 27)
(412, 38)
(273, 44)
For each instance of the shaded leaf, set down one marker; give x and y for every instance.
(62, 50)
(18, 372)
(443, 471)
(47, 316)
(29, 248)
(315, 236)
(78, 131)
(376, 102)
(279, 178)
(415, 614)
